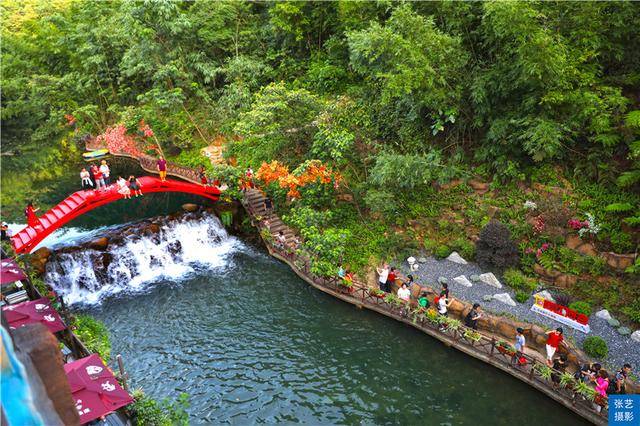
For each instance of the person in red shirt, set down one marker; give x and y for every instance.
(391, 279)
(553, 342)
(97, 176)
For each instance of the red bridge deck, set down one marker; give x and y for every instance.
(81, 202)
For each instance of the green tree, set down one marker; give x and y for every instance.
(279, 125)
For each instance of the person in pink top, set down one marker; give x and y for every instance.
(602, 382)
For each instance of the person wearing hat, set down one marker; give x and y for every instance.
(553, 342)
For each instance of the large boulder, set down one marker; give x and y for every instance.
(456, 258)
(463, 281)
(457, 307)
(566, 280)
(619, 261)
(190, 207)
(41, 253)
(478, 186)
(99, 243)
(506, 327)
(504, 298)
(490, 279)
(573, 241)
(604, 314)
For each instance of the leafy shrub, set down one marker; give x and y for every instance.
(495, 248)
(618, 207)
(554, 211)
(593, 265)
(633, 311)
(562, 299)
(515, 279)
(381, 201)
(621, 242)
(147, 411)
(464, 247)
(522, 296)
(430, 245)
(226, 218)
(442, 251)
(595, 346)
(581, 307)
(94, 335)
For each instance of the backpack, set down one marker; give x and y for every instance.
(436, 300)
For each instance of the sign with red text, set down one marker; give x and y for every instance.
(561, 314)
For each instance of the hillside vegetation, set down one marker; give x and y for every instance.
(430, 118)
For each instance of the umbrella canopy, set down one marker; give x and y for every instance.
(10, 272)
(32, 312)
(94, 388)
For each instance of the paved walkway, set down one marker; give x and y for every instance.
(621, 348)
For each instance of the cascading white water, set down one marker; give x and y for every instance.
(89, 275)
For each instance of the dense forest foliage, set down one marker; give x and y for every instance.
(396, 97)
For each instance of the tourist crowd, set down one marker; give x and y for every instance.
(604, 383)
(99, 178)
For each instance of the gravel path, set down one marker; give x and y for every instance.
(621, 348)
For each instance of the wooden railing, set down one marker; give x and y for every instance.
(149, 163)
(485, 348)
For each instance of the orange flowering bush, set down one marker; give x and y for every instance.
(309, 172)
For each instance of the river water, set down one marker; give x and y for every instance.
(250, 342)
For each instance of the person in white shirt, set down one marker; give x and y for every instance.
(104, 169)
(443, 304)
(384, 274)
(85, 179)
(404, 293)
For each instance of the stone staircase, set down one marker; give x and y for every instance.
(254, 199)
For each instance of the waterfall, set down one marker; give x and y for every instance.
(181, 247)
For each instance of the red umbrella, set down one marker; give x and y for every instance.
(94, 388)
(10, 272)
(34, 311)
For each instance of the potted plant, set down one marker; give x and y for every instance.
(346, 286)
(585, 390)
(432, 316)
(505, 348)
(567, 381)
(452, 323)
(376, 292)
(543, 370)
(472, 335)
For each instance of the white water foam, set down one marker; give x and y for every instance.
(172, 254)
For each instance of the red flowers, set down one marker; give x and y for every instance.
(145, 129)
(538, 225)
(544, 247)
(576, 224)
(117, 140)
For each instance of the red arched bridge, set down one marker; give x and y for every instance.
(81, 202)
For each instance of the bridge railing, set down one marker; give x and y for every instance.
(487, 347)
